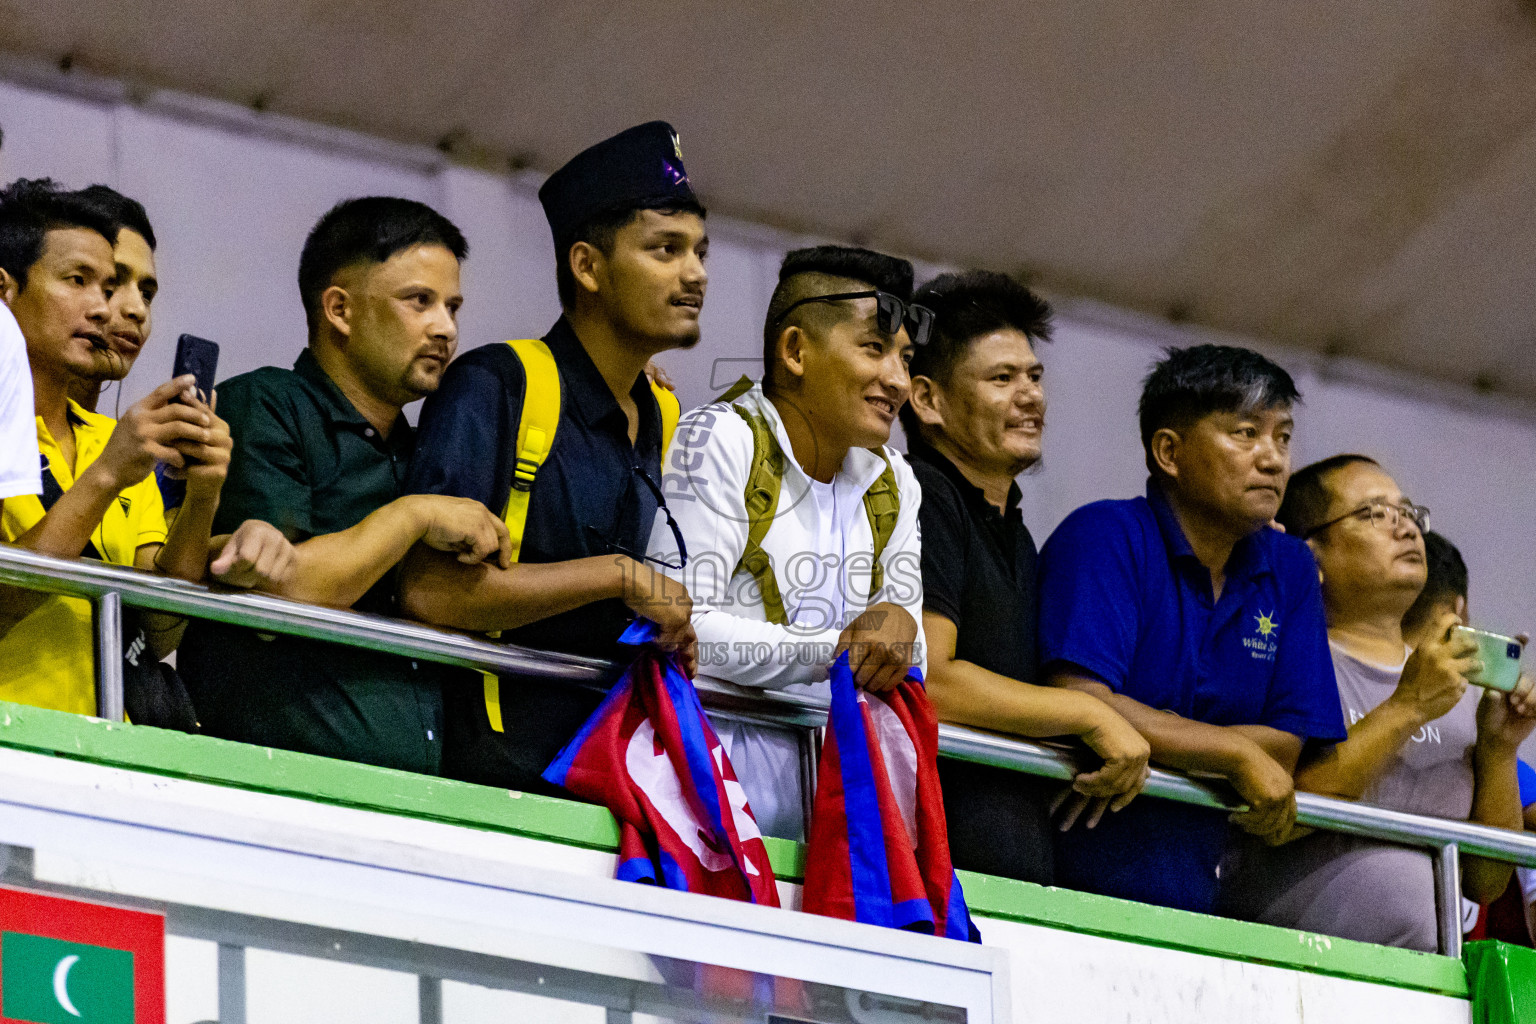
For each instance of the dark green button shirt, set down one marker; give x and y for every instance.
(307, 461)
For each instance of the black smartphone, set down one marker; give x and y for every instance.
(200, 358)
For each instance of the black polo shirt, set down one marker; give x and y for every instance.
(588, 499)
(307, 461)
(979, 573)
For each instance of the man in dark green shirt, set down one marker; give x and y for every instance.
(322, 451)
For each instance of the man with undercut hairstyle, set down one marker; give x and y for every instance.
(98, 496)
(322, 453)
(1197, 622)
(830, 559)
(1420, 739)
(562, 436)
(975, 421)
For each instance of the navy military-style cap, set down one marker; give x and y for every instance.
(641, 167)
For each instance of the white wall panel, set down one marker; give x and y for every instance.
(52, 136)
(232, 211)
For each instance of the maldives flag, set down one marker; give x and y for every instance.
(650, 756)
(879, 850)
(67, 962)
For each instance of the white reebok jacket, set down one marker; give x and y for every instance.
(820, 544)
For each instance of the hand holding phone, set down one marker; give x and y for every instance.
(200, 358)
(1498, 659)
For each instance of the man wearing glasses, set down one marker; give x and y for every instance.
(801, 525)
(629, 236)
(1420, 739)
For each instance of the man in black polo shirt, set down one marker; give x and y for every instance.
(321, 451)
(974, 422)
(629, 236)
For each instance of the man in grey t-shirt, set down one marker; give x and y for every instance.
(1419, 739)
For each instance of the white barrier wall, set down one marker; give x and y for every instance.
(231, 199)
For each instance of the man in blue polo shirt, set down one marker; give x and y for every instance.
(1197, 622)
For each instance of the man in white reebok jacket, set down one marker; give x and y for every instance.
(825, 556)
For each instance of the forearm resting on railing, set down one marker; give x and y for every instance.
(337, 569)
(1177, 742)
(436, 587)
(63, 532)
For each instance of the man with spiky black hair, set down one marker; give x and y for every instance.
(1201, 625)
(800, 523)
(975, 421)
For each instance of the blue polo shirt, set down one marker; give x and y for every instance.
(1527, 784)
(1124, 599)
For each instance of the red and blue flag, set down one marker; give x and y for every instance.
(651, 757)
(879, 849)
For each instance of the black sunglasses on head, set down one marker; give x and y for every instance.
(890, 313)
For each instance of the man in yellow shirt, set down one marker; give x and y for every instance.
(57, 276)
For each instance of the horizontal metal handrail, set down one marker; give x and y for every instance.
(92, 580)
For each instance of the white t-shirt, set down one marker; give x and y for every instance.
(19, 462)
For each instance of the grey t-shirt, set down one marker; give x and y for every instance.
(1353, 888)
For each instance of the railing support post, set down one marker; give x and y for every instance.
(231, 984)
(429, 993)
(807, 739)
(1448, 898)
(108, 615)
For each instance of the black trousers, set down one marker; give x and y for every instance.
(999, 821)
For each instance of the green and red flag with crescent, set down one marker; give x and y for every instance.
(66, 961)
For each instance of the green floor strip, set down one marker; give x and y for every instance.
(570, 823)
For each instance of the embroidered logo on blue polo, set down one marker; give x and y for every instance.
(1266, 643)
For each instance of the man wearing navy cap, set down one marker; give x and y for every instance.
(630, 246)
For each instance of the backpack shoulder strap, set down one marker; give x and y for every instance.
(536, 425)
(882, 504)
(764, 480)
(671, 412)
(535, 430)
(735, 391)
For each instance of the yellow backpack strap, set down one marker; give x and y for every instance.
(535, 437)
(535, 430)
(764, 480)
(882, 504)
(671, 412)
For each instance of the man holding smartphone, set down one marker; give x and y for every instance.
(1420, 739)
(99, 499)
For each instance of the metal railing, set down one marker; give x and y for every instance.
(109, 588)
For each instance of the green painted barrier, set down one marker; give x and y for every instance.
(1503, 983)
(262, 769)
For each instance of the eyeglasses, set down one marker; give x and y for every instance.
(613, 547)
(890, 313)
(1381, 514)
